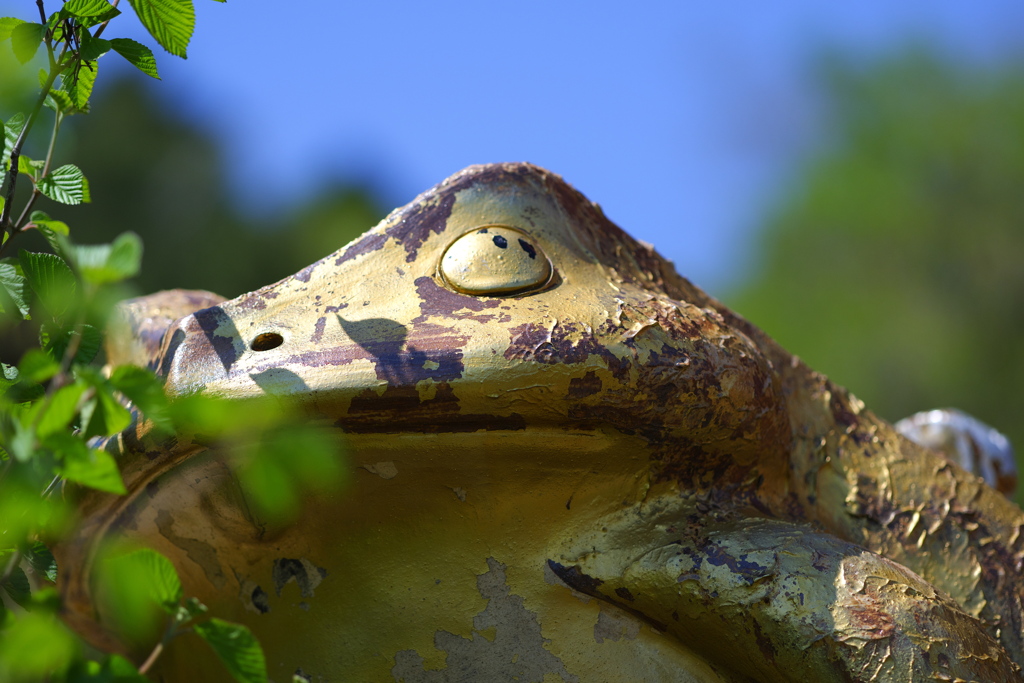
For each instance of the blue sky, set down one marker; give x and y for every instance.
(683, 120)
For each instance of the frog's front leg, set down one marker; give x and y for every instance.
(778, 601)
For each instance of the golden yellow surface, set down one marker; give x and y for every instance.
(588, 473)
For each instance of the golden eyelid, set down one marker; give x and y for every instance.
(495, 259)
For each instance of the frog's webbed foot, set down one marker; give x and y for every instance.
(968, 442)
(778, 601)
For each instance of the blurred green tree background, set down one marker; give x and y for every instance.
(153, 172)
(894, 262)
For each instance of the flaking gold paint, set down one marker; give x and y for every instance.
(614, 440)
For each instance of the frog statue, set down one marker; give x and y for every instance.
(568, 464)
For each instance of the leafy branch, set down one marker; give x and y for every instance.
(56, 407)
(72, 56)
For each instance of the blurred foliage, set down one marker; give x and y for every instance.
(58, 409)
(895, 263)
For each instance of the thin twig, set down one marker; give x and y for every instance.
(53, 482)
(169, 633)
(99, 31)
(151, 659)
(19, 224)
(12, 172)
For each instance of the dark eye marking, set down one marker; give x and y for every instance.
(500, 241)
(482, 231)
(528, 248)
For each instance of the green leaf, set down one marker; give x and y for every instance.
(55, 341)
(42, 220)
(22, 444)
(156, 572)
(18, 391)
(18, 588)
(15, 287)
(81, 83)
(36, 366)
(87, 466)
(195, 609)
(140, 56)
(64, 185)
(237, 647)
(60, 410)
(170, 22)
(8, 374)
(47, 598)
(104, 416)
(103, 263)
(89, 22)
(125, 255)
(145, 391)
(7, 25)
(26, 38)
(124, 671)
(11, 132)
(29, 167)
(36, 646)
(42, 562)
(59, 100)
(51, 280)
(50, 230)
(93, 48)
(87, 8)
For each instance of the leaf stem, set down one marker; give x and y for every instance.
(99, 31)
(169, 633)
(151, 659)
(46, 169)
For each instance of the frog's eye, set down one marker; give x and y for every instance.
(495, 260)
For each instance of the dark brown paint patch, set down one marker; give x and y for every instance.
(364, 245)
(306, 273)
(318, 330)
(587, 385)
(575, 579)
(624, 593)
(566, 343)
(435, 300)
(301, 572)
(417, 222)
(400, 410)
(209, 320)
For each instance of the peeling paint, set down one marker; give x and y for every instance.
(384, 470)
(672, 464)
(306, 575)
(515, 652)
(614, 625)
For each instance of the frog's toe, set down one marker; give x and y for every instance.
(968, 442)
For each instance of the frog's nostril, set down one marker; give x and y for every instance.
(266, 341)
